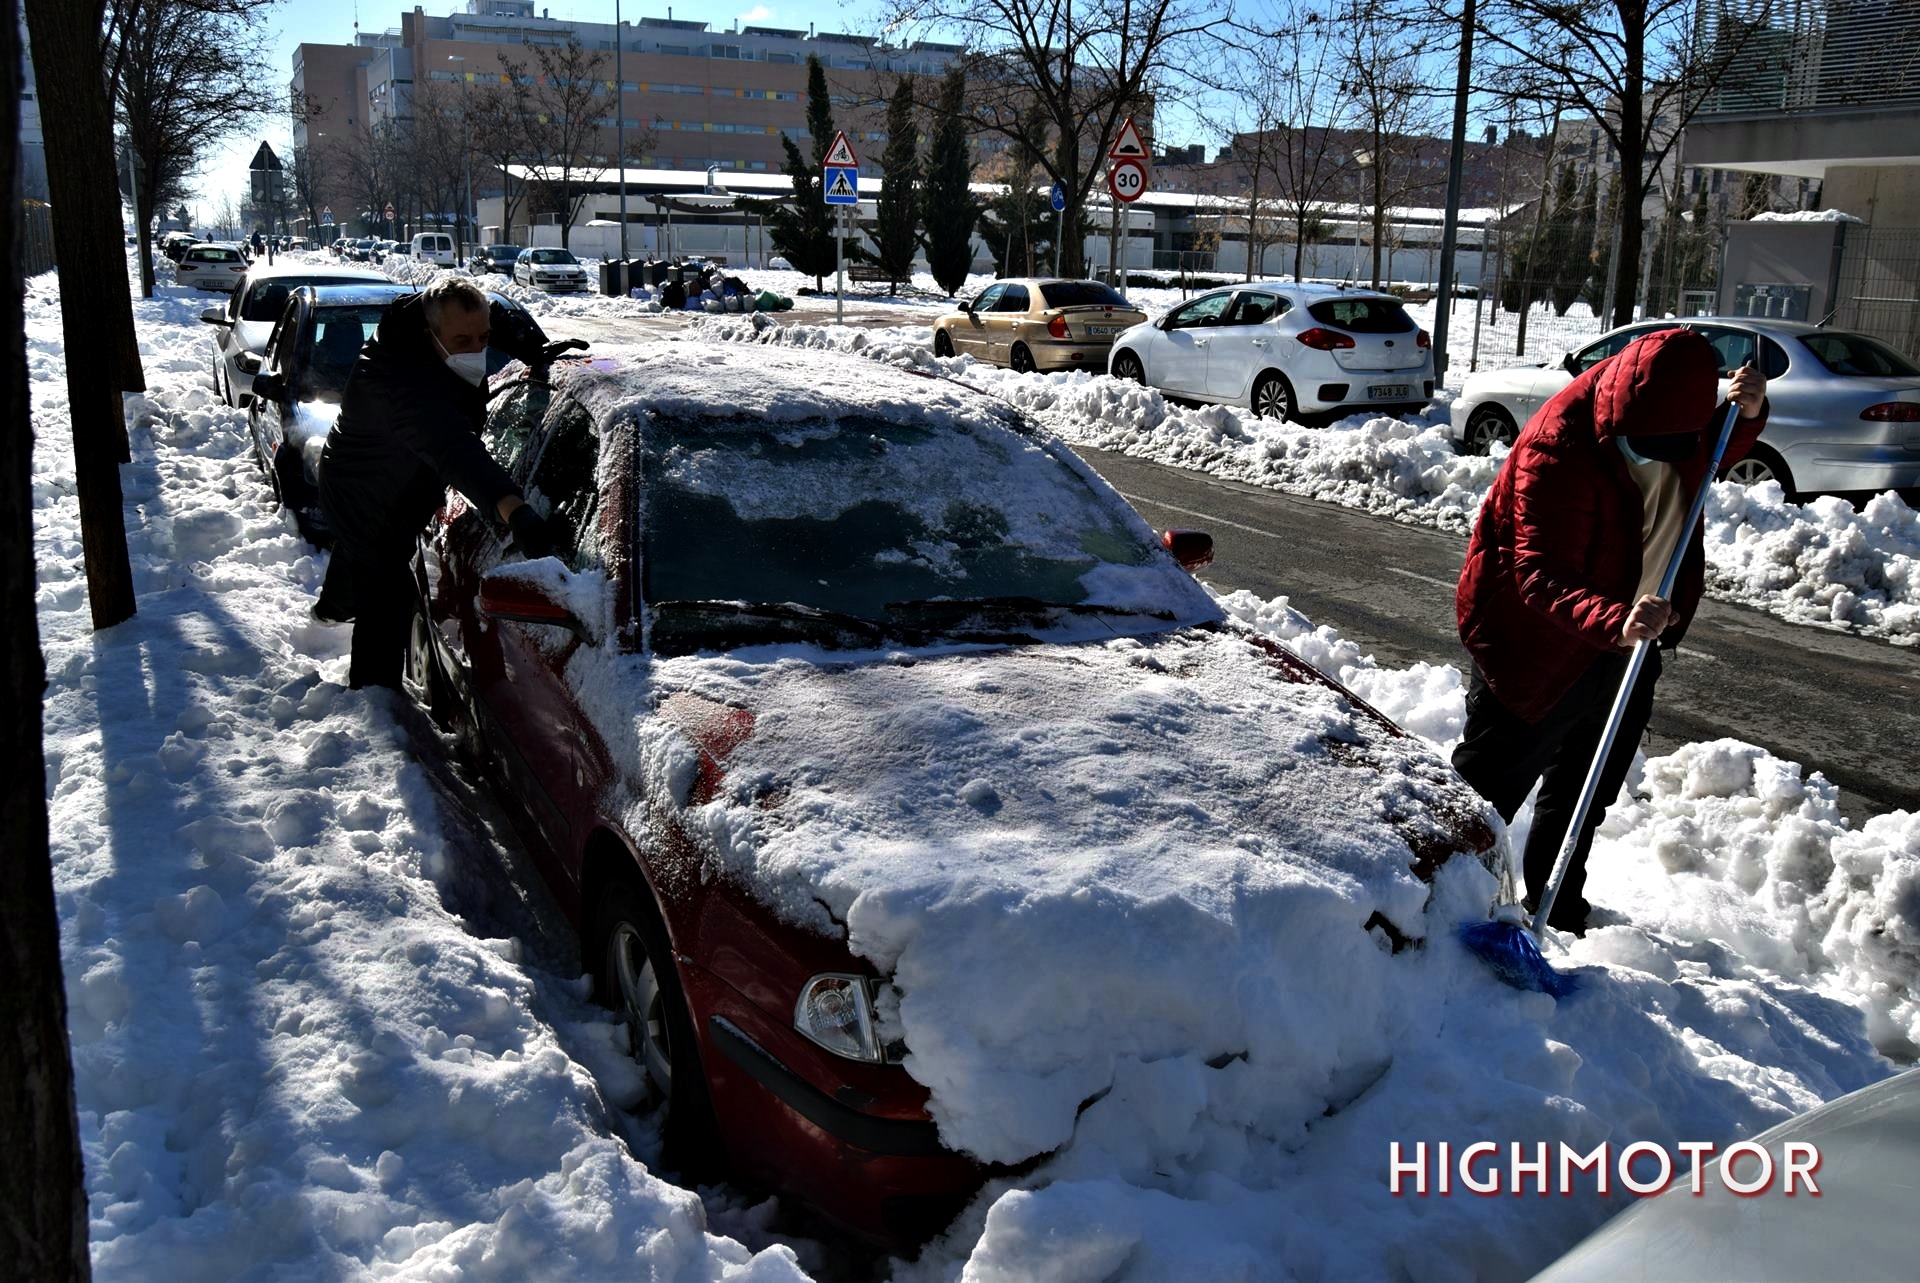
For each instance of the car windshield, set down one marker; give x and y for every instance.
(1362, 315)
(1081, 294)
(553, 256)
(1856, 354)
(503, 251)
(864, 527)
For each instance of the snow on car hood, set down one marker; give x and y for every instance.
(1146, 847)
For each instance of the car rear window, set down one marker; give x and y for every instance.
(1362, 315)
(1081, 294)
(267, 300)
(1856, 354)
(214, 255)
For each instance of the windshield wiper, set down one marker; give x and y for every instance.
(773, 617)
(961, 607)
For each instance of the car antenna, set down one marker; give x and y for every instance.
(1828, 317)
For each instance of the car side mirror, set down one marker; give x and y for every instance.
(1568, 364)
(1193, 549)
(1163, 322)
(248, 362)
(215, 316)
(531, 593)
(270, 387)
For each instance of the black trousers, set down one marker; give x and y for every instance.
(1503, 758)
(381, 592)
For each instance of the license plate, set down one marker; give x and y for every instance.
(1387, 391)
(1104, 329)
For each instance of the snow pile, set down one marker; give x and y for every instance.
(1818, 563)
(293, 1058)
(1809, 216)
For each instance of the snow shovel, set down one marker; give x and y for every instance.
(1506, 946)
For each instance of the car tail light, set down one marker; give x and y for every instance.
(1423, 340)
(1324, 340)
(1057, 327)
(1893, 412)
(835, 1011)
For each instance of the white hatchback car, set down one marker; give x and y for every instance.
(1285, 350)
(545, 268)
(211, 267)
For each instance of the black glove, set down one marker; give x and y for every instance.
(516, 333)
(561, 348)
(531, 535)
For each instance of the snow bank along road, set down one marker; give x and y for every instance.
(1844, 705)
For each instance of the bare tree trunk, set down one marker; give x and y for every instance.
(43, 1199)
(78, 120)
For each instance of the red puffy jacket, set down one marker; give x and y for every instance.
(1554, 564)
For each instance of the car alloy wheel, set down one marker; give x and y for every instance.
(1272, 398)
(942, 343)
(1762, 464)
(1022, 360)
(423, 679)
(1486, 425)
(635, 976)
(1127, 366)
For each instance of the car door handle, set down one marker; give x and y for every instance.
(1260, 343)
(1201, 342)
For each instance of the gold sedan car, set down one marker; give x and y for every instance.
(1037, 324)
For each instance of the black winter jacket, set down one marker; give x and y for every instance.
(408, 428)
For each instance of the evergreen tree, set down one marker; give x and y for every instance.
(949, 209)
(896, 225)
(802, 230)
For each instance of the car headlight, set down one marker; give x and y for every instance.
(835, 1011)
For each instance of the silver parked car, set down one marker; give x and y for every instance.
(1285, 350)
(1843, 416)
(1860, 1226)
(544, 268)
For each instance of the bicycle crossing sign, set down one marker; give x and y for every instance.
(840, 155)
(842, 185)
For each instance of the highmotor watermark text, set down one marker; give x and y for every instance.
(1642, 1168)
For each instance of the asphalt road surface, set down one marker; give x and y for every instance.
(1842, 705)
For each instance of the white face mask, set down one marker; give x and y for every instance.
(471, 366)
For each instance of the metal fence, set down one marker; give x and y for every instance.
(36, 237)
(1812, 55)
(1879, 280)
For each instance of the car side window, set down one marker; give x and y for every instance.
(1012, 299)
(1205, 310)
(1734, 348)
(989, 298)
(565, 486)
(1594, 353)
(1773, 358)
(1252, 308)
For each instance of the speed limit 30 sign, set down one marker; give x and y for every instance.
(1127, 180)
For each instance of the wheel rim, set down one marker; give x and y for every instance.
(419, 661)
(1128, 367)
(642, 1005)
(1750, 472)
(1022, 360)
(1270, 400)
(1484, 431)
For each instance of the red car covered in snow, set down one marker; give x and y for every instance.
(812, 625)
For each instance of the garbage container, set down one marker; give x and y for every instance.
(613, 278)
(657, 272)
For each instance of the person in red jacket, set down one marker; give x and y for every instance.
(1561, 576)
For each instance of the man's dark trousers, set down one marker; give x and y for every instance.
(1503, 757)
(383, 595)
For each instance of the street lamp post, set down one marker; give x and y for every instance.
(620, 123)
(1364, 159)
(466, 150)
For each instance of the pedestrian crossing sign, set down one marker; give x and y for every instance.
(842, 185)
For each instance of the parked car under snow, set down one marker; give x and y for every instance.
(848, 687)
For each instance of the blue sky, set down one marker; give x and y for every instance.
(297, 22)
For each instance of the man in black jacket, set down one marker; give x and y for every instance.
(409, 427)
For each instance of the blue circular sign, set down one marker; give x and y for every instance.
(1059, 198)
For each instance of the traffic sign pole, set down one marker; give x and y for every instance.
(839, 268)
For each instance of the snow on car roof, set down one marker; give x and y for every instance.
(371, 292)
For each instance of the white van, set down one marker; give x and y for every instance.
(433, 247)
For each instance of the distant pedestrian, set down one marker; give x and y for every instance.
(1560, 577)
